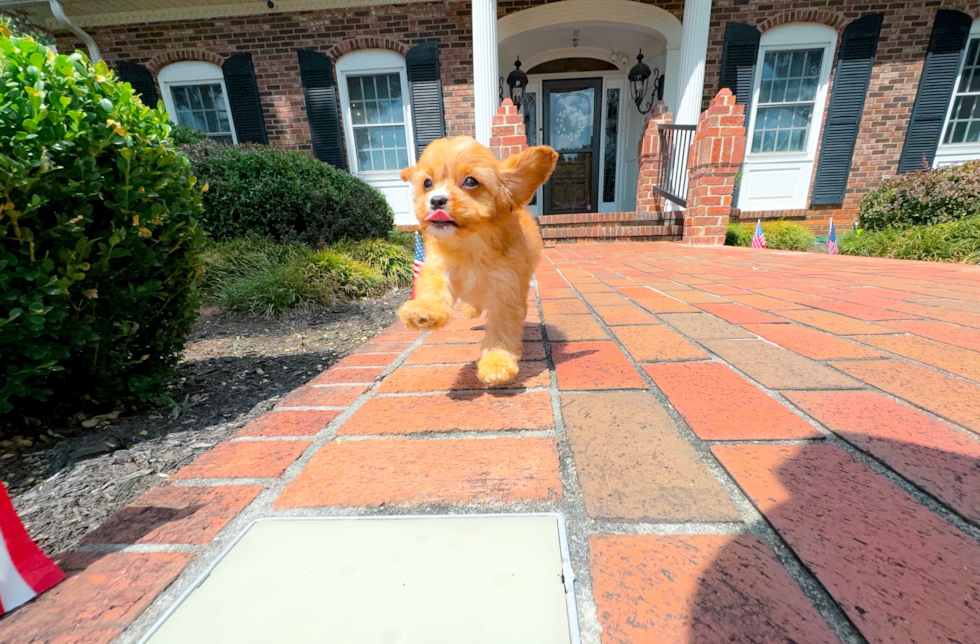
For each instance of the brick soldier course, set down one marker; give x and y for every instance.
(746, 446)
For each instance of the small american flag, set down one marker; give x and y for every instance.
(25, 572)
(832, 239)
(759, 238)
(419, 261)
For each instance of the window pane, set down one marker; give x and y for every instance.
(202, 107)
(384, 111)
(194, 94)
(207, 99)
(765, 91)
(180, 99)
(354, 89)
(394, 86)
(371, 108)
(369, 92)
(964, 118)
(381, 147)
(212, 120)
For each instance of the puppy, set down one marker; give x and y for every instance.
(481, 244)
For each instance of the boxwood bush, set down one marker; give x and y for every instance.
(780, 235)
(923, 198)
(259, 189)
(99, 242)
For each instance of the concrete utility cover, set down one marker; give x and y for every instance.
(425, 580)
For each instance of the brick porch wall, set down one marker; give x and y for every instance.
(274, 38)
(891, 93)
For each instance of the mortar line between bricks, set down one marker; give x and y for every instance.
(453, 434)
(260, 507)
(818, 595)
(578, 524)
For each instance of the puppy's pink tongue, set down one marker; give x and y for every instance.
(439, 215)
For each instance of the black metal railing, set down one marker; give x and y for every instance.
(675, 142)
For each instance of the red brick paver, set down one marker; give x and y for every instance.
(700, 588)
(899, 571)
(593, 365)
(244, 459)
(289, 423)
(719, 404)
(410, 472)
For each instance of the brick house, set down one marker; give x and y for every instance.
(837, 94)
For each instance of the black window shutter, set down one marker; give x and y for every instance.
(243, 98)
(949, 35)
(738, 60)
(428, 121)
(320, 91)
(141, 79)
(859, 44)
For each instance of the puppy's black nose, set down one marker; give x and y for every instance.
(438, 201)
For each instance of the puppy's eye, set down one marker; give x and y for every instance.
(427, 184)
(470, 182)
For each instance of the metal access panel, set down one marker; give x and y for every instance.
(405, 580)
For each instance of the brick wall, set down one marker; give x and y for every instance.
(274, 38)
(891, 93)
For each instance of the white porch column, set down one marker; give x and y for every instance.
(485, 66)
(694, 51)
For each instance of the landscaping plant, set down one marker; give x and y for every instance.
(259, 189)
(955, 241)
(780, 235)
(99, 238)
(923, 198)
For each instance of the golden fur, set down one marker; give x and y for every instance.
(487, 258)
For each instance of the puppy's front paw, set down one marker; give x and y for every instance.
(421, 315)
(497, 367)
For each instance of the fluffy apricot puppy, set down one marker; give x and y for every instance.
(481, 243)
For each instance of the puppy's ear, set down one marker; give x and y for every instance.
(407, 174)
(523, 173)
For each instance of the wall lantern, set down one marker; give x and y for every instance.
(639, 78)
(517, 82)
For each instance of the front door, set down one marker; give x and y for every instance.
(572, 116)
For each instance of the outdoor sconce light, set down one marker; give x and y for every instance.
(639, 78)
(517, 82)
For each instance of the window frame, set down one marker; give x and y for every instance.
(956, 153)
(188, 73)
(373, 62)
(794, 37)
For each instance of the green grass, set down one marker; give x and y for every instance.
(257, 276)
(956, 241)
(780, 235)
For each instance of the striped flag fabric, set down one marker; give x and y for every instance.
(25, 572)
(832, 239)
(419, 261)
(759, 237)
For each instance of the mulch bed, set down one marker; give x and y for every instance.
(234, 369)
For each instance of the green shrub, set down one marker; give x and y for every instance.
(99, 245)
(274, 290)
(230, 261)
(780, 235)
(923, 198)
(284, 195)
(390, 259)
(183, 135)
(955, 241)
(353, 278)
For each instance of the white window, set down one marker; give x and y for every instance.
(377, 116)
(787, 92)
(960, 141)
(194, 94)
(788, 100)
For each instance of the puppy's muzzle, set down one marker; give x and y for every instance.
(440, 219)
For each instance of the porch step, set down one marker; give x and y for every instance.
(609, 226)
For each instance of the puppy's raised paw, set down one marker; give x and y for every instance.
(419, 314)
(497, 367)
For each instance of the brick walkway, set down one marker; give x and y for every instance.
(747, 446)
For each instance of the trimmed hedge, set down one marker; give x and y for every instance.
(780, 235)
(955, 241)
(99, 241)
(261, 190)
(923, 198)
